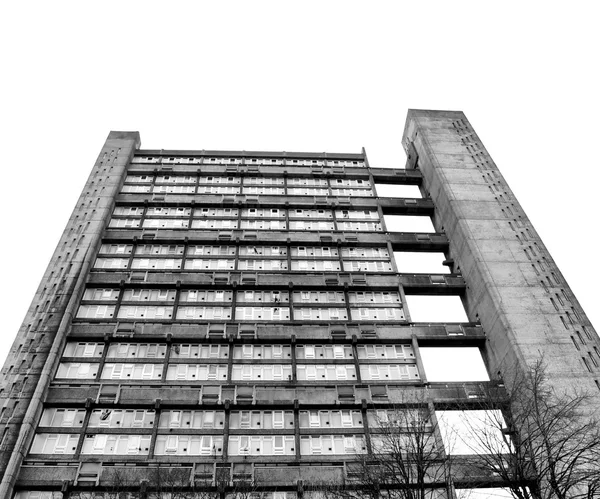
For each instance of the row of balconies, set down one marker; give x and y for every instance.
(218, 395)
(416, 283)
(430, 334)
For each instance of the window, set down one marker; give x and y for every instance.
(132, 371)
(385, 352)
(262, 352)
(149, 295)
(197, 372)
(66, 418)
(377, 314)
(194, 351)
(261, 445)
(388, 372)
(325, 372)
(54, 443)
(116, 444)
(264, 372)
(265, 420)
(217, 313)
(145, 312)
(74, 349)
(104, 294)
(95, 312)
(121, 418)
(192, 419)
(324, 352)
(77, 370)
(332, 444)
(262, 313)
(330, 419)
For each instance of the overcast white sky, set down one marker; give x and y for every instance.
(295, 76)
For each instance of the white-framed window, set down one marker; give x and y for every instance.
(116, 249)
(132, 371)
(136, 189)
(388, 372)
(155, 264)
(330, 419)
(320, 314)
(324, 352)
(54, 443)
(194, 313)
(332, 444)
(262, 313)
(116, 444)
(192, 419)
(314, 251)
(385, 352)
(38, 494)
(200, 250)
(122, 418)
(360, 226)
(261, 445)
(189, 445)
(83, 349)
(361, 252)
(262, 372)
(195, 351)
(220, 180)
(378, 314)
(77, 370)
(316, 265)
(168, 212)
(214, 189)
(312, 182)
(175, 179)
(318, 297)
(261, 420)
(196, 372)
(326, 372)
(262, 352)
(253, 213)
(137, 350)
(262, 265)
(162, 223)
(145, 312)
(101, 294)
(159, 249)
(111, 263)
(367, 266)
(62, 418)
(209, 264)
(149, 295)
(352, 192)
(374, 297)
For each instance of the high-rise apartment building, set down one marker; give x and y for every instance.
(236, 317)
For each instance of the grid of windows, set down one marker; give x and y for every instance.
(230, 160)
(265, 185)
(238, 362)
(273, 219)
(233, 390)
(251, 305)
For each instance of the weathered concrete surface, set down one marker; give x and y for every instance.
(513, 286)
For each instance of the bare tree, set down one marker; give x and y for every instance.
(169, 483)
(406, 459)
(539, 441)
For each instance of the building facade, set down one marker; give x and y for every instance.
(242, 318)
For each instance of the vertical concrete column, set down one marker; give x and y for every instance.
(511, 278)
(62, 286)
